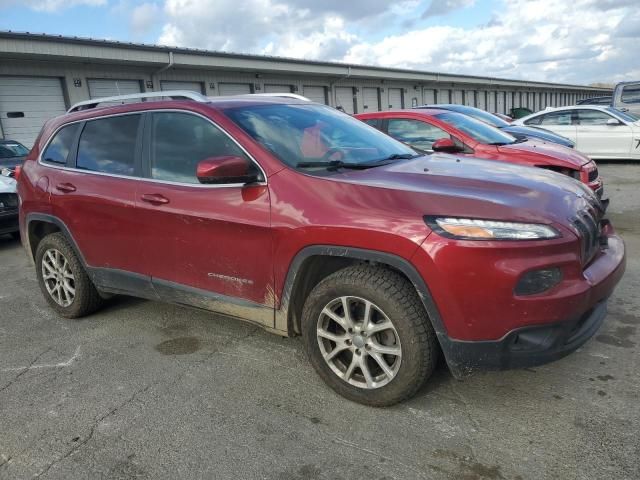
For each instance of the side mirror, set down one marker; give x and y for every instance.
(445, 145)
(225, 169)
(612, 122)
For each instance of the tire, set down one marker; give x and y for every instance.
(398, 325)
(54, 250)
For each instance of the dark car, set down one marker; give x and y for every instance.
(520, 132)
(605, 100)
(306, 221)
(12, 154)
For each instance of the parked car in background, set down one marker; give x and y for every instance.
(604, 100)
(519, 112)
(626, 97)
(519, 131)
(600, 132)
(504, 117)
(8, 204)
(308, 222)
(12, 154)
(446, 131)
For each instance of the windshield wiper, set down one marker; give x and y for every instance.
(334, 164)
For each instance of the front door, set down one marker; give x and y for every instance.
(208, 245)
(597, 138)
(560, 122)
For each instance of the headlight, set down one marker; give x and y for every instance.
(475, 229)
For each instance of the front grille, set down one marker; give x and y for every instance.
(587, 223)
(593, 175)
(8, 201)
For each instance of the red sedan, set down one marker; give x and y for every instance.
(451, 132)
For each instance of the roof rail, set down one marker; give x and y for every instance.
(280, 94)
(173, 94)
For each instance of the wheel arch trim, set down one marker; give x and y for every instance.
(284, 315)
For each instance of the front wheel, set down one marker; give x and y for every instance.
(368, 336)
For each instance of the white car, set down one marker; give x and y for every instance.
(8, 204)
(598, 131)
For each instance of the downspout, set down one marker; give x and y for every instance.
(165, 68)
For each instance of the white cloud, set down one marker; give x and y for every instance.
(578, 42)
(144, 17)
(50, 5)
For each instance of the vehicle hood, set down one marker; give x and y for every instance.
(541, 153)
(442, 184)
(11, 162)
(520, 131)
(7, 185)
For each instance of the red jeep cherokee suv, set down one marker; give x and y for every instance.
(308, 222)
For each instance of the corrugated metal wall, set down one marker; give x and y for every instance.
(356, 93)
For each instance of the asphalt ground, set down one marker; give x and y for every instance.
(147, 390)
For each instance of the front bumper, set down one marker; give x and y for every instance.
(524, 347)
(9, 221)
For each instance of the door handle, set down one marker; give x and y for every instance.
(66, 187)
(155, 198)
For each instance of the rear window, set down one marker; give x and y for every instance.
(631, 93)
(108, 145)
(58, 149)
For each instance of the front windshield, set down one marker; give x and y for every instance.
(10, 150)
(300, 134)
(481, 115)
(479, 131)
(626, 116)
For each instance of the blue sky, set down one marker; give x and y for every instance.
(582, 41)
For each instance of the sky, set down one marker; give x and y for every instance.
(578, 41)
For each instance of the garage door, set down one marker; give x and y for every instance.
(370, 99)
(226, 89)
(444, 96)
(395, 98)
(470, 98)
(26, 103)
(500, 102)
(271, 88)
(481, 100)
(176, 85)
(316, 94)
(344, 99)
(99, 88)
(429, 96)
(491, 102)
(457, 97)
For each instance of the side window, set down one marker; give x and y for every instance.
(535, 120)
(557, 118)
(373, 122)
(58, 149)
(415, 133)
(108, 145)
(179, 141)
(631, 93)
(592, 117)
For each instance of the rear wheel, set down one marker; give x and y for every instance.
(368, 335)
(63, 280)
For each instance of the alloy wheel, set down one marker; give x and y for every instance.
(58, 277)
(359, 342)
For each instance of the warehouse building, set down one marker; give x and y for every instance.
(41, 76)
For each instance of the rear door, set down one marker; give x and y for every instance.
(560, 122)
(94, 194)
(597, 138)
(202, 239)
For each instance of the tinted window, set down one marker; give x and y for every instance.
(416, 133)
(631, 93)
(10, 150)
(179, 141)
(557, 118)
(373, 122)
(109, 145)
(478, 114)
(307, 132)
(481, 132)
(58, 149)
(592, 117)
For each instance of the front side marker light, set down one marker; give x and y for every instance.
(477, 229)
